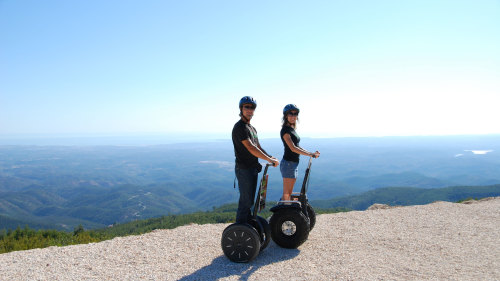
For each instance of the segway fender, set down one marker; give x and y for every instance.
(295, 205)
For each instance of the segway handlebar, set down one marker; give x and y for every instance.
(267, 166)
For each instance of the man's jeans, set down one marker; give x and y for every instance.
(247, 183)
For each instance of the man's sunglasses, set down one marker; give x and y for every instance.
(249, 107)
(293, 113)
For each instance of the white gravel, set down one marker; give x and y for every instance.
(439, 241)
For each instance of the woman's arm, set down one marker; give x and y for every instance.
(297, 149)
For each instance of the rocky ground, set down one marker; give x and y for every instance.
(439, 241)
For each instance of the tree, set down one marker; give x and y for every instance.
(78, 230)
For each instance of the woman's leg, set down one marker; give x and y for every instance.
(288, 184)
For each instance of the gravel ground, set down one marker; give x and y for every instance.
(439, 241)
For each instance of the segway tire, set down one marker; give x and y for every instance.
(266, 234)
(264, 230)
(312, 216)
(240, 242)
(289, 228)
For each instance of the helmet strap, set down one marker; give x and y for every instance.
(243, 117)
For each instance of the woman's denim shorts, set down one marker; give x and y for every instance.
(289, 169)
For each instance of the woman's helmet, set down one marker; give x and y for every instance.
(289, 107)
(247, 99)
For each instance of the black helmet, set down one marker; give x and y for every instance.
(247, 99)
(289, 107)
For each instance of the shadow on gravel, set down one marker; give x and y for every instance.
(222, 267)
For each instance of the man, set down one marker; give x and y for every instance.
(247, 151)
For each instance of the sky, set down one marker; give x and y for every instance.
(354, 68)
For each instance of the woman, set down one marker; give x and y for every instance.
(290, 161)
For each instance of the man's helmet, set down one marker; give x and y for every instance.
(247, 99)
(289, 107)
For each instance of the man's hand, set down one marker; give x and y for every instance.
(274, 161)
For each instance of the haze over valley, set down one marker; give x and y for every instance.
(63, 186)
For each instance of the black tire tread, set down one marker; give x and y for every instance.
(312, 217)
(266, 235)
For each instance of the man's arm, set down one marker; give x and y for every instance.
(257, 152)
(262, 149)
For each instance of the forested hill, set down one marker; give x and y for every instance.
(390, 195)
(405, 196)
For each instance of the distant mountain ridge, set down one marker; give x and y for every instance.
(64, 186)
(98, 211)
(405, 196)
(92, 207)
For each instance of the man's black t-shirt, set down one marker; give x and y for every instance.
(289, 155)
(244, 131)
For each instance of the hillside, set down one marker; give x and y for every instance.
(122, 204)
(405, 196)
(438, 241)
(62, 187)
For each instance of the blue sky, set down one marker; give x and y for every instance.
(355, 68)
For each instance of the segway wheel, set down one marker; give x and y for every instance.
(312, 217)
(289, 228)
(266, 234)
(262, 226)
(240, 242)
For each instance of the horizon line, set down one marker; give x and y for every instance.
(148, 139)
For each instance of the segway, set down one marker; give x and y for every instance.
(292, 220)
(242, 242)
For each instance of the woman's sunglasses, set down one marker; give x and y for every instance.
(293, 113)
(249, 107)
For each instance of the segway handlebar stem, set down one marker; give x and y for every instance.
(267, 166)
(303, 190)
(257, 201)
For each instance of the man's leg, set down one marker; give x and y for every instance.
(247, 184)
